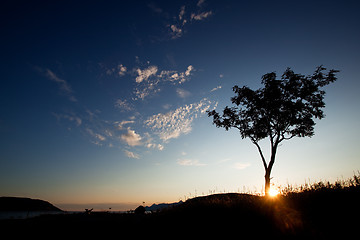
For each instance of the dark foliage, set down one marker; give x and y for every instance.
(283, 109)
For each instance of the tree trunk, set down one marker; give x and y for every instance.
(271, 163)
(269, 167)
(267, 182)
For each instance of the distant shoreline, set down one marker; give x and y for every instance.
(98, 207)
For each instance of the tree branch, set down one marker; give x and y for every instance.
(285, 138)
(260, 151)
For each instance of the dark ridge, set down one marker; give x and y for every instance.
(162, 206)
(25, 204)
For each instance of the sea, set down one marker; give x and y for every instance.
(25, 214)
(71, 209)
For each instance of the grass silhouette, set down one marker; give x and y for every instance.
(317, 210)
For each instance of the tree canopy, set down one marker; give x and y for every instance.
(284, 108)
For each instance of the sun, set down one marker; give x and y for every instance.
(273, 192)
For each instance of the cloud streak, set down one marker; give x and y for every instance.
(64, 86)
(189, 162)
(148, 80)
(98, 138)
(182, 93)
(177, 29)
(120, 124)
(72, 118)
(215, 88)
(241, 166)
(120, 70)
(130, 154)
(200, 16)
(123, 105)
(178, 122)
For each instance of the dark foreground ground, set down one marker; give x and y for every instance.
(312, 214)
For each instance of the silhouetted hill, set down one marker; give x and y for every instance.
(25, 204)
(228, 214)
(161, 206)
(222, 199)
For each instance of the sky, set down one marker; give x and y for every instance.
(104, 102)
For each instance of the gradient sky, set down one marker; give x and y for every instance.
(104, 101)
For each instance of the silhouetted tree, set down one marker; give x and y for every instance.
(284, 108)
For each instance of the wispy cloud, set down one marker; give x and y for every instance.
(182, 12)
(189, 162)
(110, 133)
(123, 105)
(149, 143)
(148, 80)
(178, 122)
(200, 16)
(155, 8)
(64, 86)
(182, 93)
(120, 124)
(119, 70)
(177, 28)
(200, 3)
(160, 147)
(167, 106)
(72, 118)
(241, 165)
(131, 154)
(131, 138)
(145, 74)
(215, 88)
(176, 31)
(175, 76)
(99, 139)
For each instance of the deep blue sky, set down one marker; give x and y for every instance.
(104, 101)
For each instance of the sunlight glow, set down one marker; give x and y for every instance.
(273, 192)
